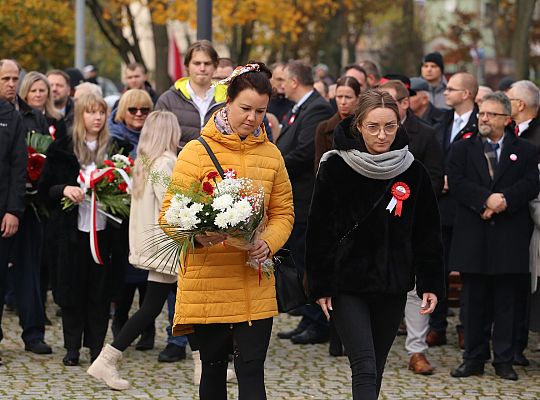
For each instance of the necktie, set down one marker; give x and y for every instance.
(455, 128)
(516, 130)
(490, 150)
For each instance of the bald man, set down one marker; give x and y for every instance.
(459, 123)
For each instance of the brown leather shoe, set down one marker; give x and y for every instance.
(435, 338)
(461, 337)
(419, 364)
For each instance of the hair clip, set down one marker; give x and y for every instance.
(237, 72)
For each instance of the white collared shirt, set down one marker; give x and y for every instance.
(83, 221)
(524, 126)
(301, 101)
(464, 118)
(202, 103)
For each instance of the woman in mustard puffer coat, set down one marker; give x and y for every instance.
(219, 297)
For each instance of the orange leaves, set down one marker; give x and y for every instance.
(38, 33)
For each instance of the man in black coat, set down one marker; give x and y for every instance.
(525, 99)
(493, 176)
(13, 159)
(26, 249)
(459, 123)
(297, 145)
(425, 148)
(422, 107)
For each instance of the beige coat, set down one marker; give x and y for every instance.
(143, 219)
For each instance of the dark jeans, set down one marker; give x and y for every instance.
(176, 340)
(156, 295)
(26, 257)
(367, 326)
(491, 300)
(249, 345)
(88, 316)
(312, 315)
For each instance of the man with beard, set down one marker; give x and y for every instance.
(493, 176)
(61, 91)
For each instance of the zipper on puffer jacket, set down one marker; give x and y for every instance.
(246, 283)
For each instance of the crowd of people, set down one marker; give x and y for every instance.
(380, 185)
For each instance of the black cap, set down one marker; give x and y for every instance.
(505, 83)
(436, 58)
(75, 76)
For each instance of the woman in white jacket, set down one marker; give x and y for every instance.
(157, 149)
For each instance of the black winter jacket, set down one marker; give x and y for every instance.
(13, 160)
(384, 253)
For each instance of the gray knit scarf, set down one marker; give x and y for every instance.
(376, 166)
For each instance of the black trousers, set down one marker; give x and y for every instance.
(249, 345)
(491, 301)
(86, 321)
(123, 305)
(26, 257)
(367, 326)
(438, 319)
(156, 295)
(312, 315)
(5, 245)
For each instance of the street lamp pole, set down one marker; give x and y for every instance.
(79, 34)
(204, 19)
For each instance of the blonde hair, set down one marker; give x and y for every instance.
(89, 102)
(133, 98)
(160, 133)
(26, 85)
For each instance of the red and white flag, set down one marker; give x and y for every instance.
(175, 68)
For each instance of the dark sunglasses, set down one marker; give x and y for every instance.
(143, 110)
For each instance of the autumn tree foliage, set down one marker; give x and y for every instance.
(37, 33)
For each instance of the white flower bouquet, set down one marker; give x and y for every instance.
(232, 206)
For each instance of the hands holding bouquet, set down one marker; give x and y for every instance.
(213, 211)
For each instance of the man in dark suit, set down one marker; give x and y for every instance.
(297, 145)
(493, 176)
(525, 99)
(13, 159)
(424, 146)
(459, 123)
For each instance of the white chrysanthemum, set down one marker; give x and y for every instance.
(196, 207)
(179, 200)
(222, 202)
(231, 186)
(243, 208)
(188, 218)
(121, 158)
(222, 220)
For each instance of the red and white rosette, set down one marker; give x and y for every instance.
(400, 193)
(89, 182)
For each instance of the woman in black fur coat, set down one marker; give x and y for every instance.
(373, 233)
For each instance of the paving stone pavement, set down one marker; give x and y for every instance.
(293, 372)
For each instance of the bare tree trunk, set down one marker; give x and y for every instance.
(112, 29)
(520, 39)
(161, 44)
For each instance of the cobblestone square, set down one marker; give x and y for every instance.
(293, 372)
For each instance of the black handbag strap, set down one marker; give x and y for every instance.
(366, 215)
(212, 157)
